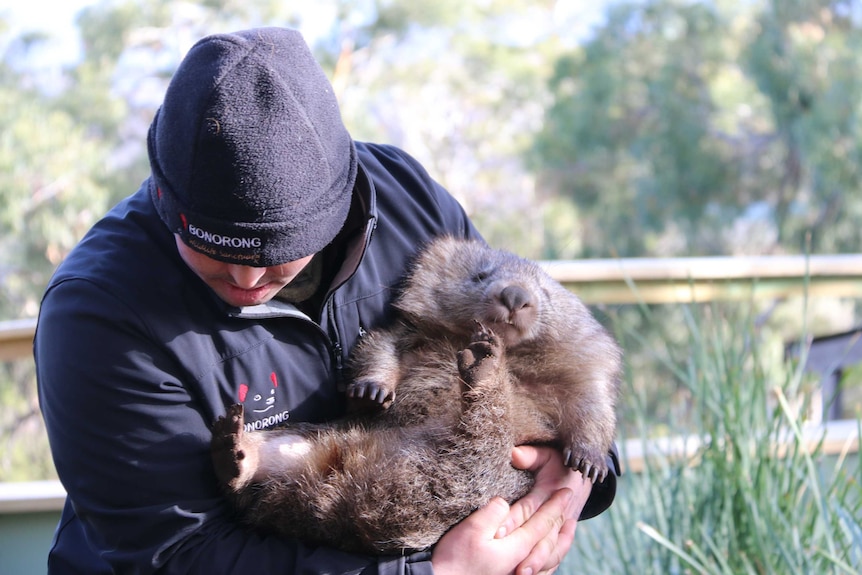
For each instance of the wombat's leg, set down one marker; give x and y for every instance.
(485, 434)
(234, 454)
(375, 369)
(590, 433)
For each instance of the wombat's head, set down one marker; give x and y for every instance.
(455, 283)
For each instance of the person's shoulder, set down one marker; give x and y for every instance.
(405, 193)
(382, 151)
(392, 159)
(126, 251)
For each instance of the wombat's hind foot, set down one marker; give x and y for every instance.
(230, 456)
(591, 465)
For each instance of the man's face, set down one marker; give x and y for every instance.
(239, 285)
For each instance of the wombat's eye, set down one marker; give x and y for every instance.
(480, 276)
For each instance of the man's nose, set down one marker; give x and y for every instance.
(245, 277)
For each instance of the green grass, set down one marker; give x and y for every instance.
(750, 499)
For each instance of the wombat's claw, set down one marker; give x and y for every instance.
(370, 391)
(594, 472)
(482, 333)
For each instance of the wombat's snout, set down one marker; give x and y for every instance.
(515, 298)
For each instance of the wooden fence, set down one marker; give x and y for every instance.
(647, 280)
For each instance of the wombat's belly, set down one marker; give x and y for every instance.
(386, 490)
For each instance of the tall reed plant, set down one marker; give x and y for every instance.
(752, 495)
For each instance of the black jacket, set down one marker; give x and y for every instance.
(136, 357)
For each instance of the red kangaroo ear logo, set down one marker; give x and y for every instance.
(273, 379)
(243, 391)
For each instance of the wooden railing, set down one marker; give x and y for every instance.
(647, 280)
(684, 280)
(16, 338)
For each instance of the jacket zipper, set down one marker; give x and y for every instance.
(334, 337)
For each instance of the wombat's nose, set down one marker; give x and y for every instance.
(514, 297)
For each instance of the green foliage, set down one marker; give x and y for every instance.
(750, 498)
(439, 88)
(625, 137)
(25, 455)
(804, 60)
(49, 193)
(676, 118)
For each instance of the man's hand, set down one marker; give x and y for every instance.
(529, 538)
(551, 476)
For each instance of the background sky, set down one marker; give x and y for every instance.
(56, 17)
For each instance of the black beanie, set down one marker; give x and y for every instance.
(251, 161)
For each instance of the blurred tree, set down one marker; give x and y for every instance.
(628, 136)
(50, 191)
(709, 128)
(803, 56)
(700, 128)
(460, 86)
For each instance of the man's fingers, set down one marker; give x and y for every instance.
(542, 531)
(520, 511)
(554, 554)
(487, 520)
(549, 517)
(473, 540)
(548, 553)
(530, 458)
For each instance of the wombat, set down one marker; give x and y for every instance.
(487, 352)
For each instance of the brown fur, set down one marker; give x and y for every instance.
(488, 352)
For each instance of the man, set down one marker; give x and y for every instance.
(265, 242)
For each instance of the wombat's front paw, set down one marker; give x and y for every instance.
(481, 358)
(590, 462)
(370, 390)
(228, 453)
